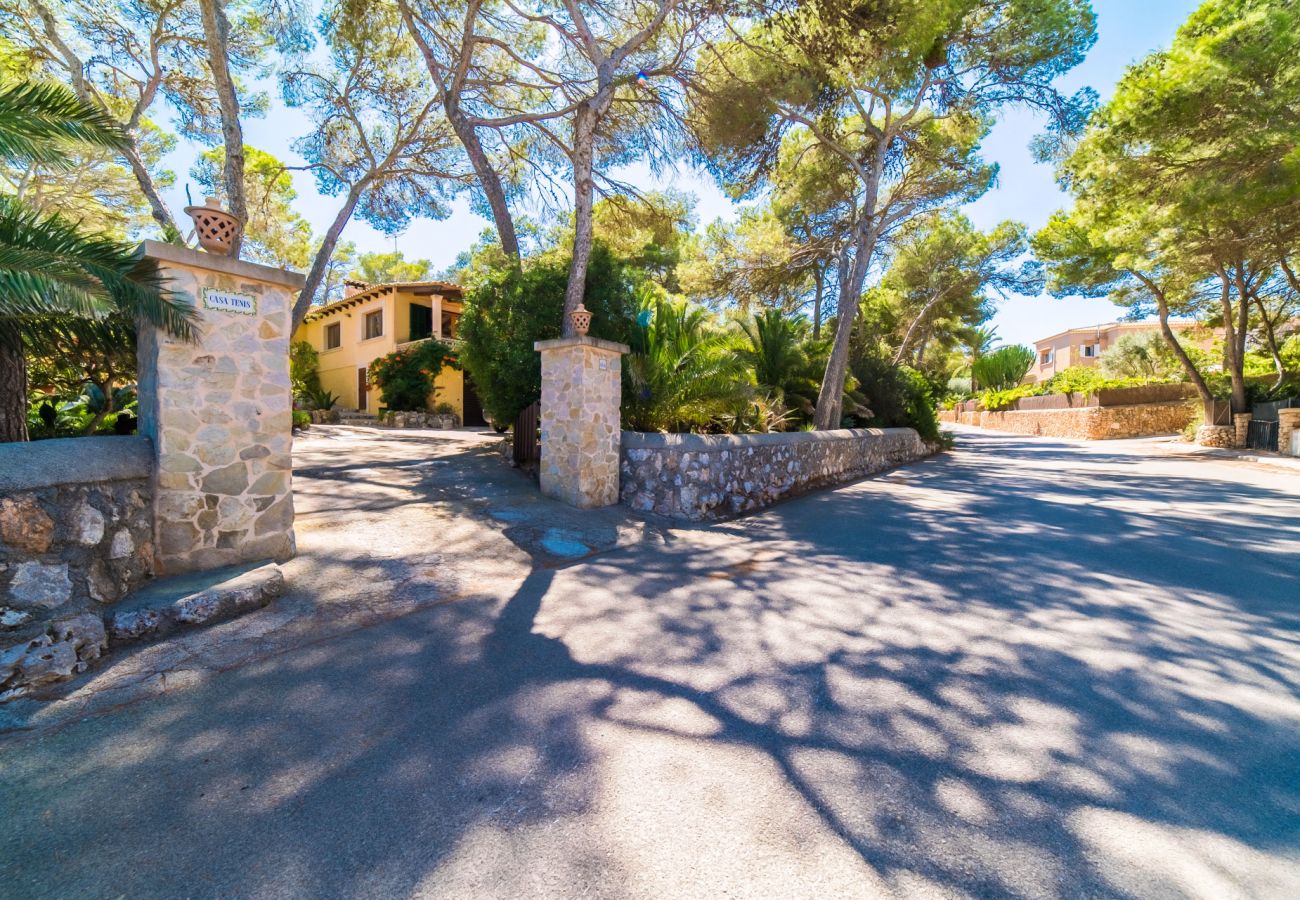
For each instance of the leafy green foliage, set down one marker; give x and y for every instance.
(1074, 380)
(508, 310)
(1144, 355)
(897, 397)
(390, 268)
(321, 399)
(1004, 368)
(405, 377)
(274, 234)
(682, 373)
(784, 360)
(304, 368)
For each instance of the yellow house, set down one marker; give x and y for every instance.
(374, 320)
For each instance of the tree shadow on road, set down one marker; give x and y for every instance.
(986, 675)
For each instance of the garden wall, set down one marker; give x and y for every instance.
(1084, 423)
(706, 476)
(76, 535)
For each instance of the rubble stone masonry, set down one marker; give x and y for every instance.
(712, 476)
(1084, 423)
(219, 412)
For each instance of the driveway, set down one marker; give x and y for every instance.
(1028, 668)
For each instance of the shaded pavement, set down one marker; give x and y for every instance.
(1027, 668)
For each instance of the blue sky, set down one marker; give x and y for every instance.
(1026, 192)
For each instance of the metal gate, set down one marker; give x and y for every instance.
(1262, 434)
(527, 442)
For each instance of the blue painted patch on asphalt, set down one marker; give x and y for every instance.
(562, 543)
(508, 515)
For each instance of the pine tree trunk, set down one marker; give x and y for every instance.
(320, 264)
(830, 399)
(490, 182)
(584, 130)
(216, 31)
(13, 389)
(817, 305)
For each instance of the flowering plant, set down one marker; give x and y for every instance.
(405, 377)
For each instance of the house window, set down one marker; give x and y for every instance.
(1089, 350)
(375, 324)
(450, 322)
(333, 336)
(1045, 358)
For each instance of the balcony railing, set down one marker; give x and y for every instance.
(454, 343)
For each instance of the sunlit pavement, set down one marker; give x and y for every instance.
(1026, 668)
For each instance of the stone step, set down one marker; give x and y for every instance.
(200, 598)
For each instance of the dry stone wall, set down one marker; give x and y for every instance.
(1085, 423)
(701, 477)
(76, 535)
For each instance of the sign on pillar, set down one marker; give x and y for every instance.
(580, 420)
(219, 412)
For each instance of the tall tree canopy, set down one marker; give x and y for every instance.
(897, 95)
(1187, 183)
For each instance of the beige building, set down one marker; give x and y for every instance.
(1084, 346)
(374, 320)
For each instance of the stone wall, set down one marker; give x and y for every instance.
(700, 477)
(76, 535)
(219, 411)
(1086, 423)
(1220, 436)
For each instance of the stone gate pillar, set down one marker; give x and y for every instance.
(580, 420)
(1241, 424)
(219, 413)
(1288, 423)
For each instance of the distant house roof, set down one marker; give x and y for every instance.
(369, 292)
(1112, 326)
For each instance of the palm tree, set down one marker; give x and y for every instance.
(681, 373)
(783, 360)
(49, 266)
(978, 341)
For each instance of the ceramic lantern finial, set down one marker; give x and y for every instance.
(580, 319)
(214, 227)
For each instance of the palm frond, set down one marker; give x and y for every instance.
(40, 119)
(50, 266)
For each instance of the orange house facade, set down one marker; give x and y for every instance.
(374, 320)
(1084, 346)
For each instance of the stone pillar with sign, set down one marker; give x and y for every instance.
(219, 413)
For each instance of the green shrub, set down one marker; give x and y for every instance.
(684, 375)
(318, 398)
(405, 377)
(507, 311)
(301, 418)
(304, 369)
(1003, 368)
(996, 400)
(898, 397)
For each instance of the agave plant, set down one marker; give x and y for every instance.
(682, 374)
(50, 267)
(1003, 368)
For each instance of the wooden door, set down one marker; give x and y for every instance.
(363, 387)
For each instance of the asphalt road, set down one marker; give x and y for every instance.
(1029, 668)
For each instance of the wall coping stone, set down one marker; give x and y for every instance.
(636, 440)
(581, 341)
(159, 251)
(83, 460)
